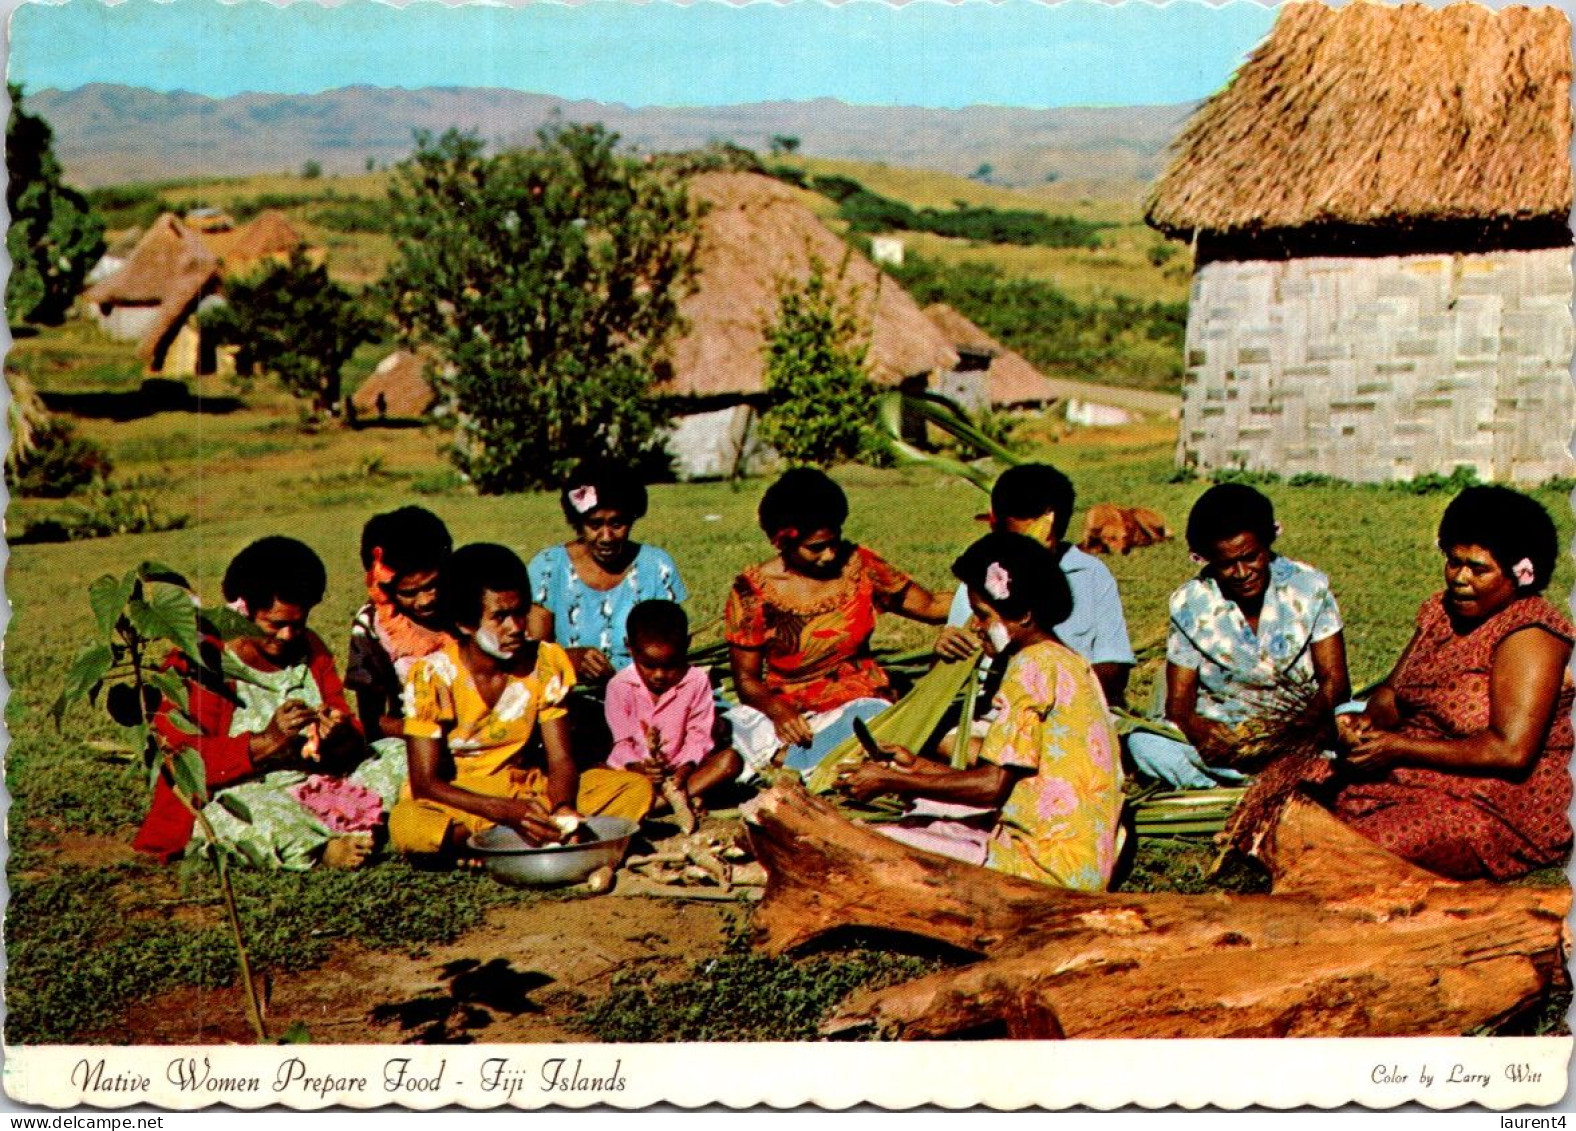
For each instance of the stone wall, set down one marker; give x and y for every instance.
(1372, 369)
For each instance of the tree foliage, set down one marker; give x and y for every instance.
(548, 280)
(821, 399)
(290, 319)
(54, 238)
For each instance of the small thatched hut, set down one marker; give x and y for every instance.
(1378, 205)
(152, 297)
(400, 385)
(756, 233)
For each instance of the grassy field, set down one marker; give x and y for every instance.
(250, 470)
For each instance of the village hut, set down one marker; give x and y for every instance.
(176, 267)
(398, 389)
(1378, 207)
(755, 234)
(151, 299)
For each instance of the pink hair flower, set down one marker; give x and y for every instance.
(239, 606)
(1524, 573)
(583, 499)
(998, 583)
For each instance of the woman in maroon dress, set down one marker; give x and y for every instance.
(1460, 761)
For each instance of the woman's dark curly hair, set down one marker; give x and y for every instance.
(1031, 489)
(273, 569)
(411, 540)
(1033, 579)
(1225, 511)
(617, 488)
(1509, 525)
(803, 500)
(481, 567)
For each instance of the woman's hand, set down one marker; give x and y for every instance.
(955, 644)
(793, 729)
(339, 745)
(292, 717)
(1376, 750)
(591, 666)
(866, 780)
(530, 818)
(1351, 728)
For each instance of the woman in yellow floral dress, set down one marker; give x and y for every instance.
(471, 707)
(1045, 803)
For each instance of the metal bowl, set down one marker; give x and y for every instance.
(508, 857)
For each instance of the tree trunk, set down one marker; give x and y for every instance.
(1353, 941)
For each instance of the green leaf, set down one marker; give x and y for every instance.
(168, 615)
(173, 687)
(225, 623)
(158, 571)
(191, 778)
(297, 1034)
(254, 855)
(108, 596)
(234, 669)
(90, 667)
(181, 722)
(235, 806)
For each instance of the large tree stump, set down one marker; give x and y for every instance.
(1353, 941)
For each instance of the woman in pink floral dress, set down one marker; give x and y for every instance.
(1045, 802)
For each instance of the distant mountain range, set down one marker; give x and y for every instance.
(106, 134)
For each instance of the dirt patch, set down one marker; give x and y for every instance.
(520, 977)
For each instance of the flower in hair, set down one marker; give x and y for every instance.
(583, 499)
(998, 583)
(239, 605)
(1524, 573)
(1198, 559)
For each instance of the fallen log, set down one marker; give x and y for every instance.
(1353, 941)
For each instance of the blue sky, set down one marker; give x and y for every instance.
(922, 53)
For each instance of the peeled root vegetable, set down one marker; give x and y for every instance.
(679, 801)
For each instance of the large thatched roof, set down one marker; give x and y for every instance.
(755, 233)
(171, 268)
(1369, 114)
(269, 235)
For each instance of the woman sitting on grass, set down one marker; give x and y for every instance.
(402, 552)
(1046, 803)
(472, 707)
(1254, 634)
(584, 589)
(1460, 761)
(799, 627)
(279, 736)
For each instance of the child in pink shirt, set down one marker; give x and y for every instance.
(661, 710)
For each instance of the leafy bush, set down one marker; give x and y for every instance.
(867, 211)
(821, 399)
(58, 462)
(355, 214)
(105, 511)
(126, 206)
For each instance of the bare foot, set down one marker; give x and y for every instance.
(349, 851)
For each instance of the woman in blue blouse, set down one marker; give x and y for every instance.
(590, 584)
(1252, 629)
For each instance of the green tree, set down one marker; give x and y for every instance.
(821, 399)
(311, 170)
(54, 237)
(548, 280)
(290, 319)
(784, 144)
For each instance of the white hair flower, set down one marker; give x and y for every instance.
(998, 582)
(583, 499)
(1524, 572)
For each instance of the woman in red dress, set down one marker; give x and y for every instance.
(1460, 760)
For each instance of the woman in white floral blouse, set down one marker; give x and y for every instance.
(1251, 631)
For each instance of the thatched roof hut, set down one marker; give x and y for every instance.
(1437, 123)
(1378, 204)
(269, 235)
(401, 380)
(159, 285)
(1009, 379)
(755, 233)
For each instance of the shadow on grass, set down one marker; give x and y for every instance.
(155, 395)
(476, 991)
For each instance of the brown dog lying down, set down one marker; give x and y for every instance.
(1110, 529)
